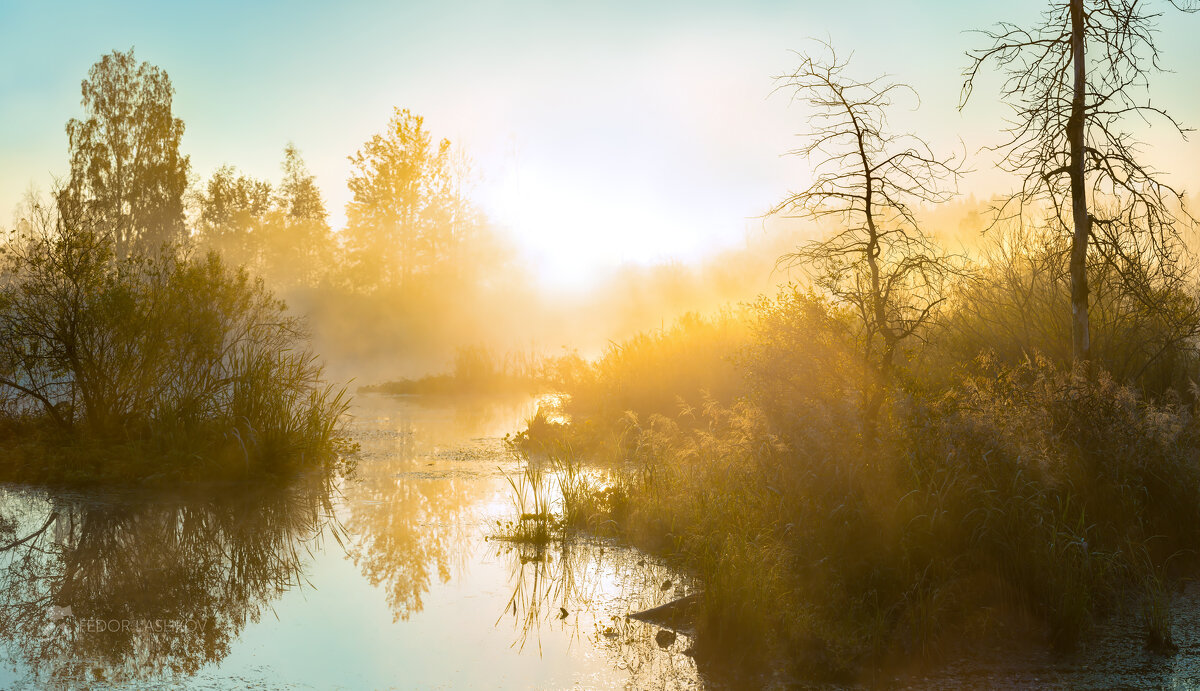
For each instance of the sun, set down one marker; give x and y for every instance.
(577, 225)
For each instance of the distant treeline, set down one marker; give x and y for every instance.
(477, 370)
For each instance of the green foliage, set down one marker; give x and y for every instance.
(280, 234)
(127, 175)
(180, 356)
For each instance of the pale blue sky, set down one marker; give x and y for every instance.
(605, 131)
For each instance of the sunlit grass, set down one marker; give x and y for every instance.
(553, 493)
(1020, 500)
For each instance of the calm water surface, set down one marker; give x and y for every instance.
(383, 579)
(387, 578)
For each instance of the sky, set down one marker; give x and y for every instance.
(602, 133)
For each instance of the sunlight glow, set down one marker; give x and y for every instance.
(573, 227)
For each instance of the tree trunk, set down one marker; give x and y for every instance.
(1081, 345)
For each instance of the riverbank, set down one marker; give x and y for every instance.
(32, 454)
(385, 576)
(987, 501)
(150, 364)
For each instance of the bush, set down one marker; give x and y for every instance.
(1018, 500)
(668, 372)
(181, 355)
(1145, 319)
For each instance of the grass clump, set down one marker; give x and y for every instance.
(534, 521)
(554, 493)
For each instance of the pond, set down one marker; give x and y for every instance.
(388, 577)
(391, 577)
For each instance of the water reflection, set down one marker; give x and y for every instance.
(428, 488)
(586, 588)
(120, 588)
(413, 504)
(405, 534)
(140, 590)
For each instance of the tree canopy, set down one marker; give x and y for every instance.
(408, 216)
(127, 174)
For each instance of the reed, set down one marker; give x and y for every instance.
(1023, 500)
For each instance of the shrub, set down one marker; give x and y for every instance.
(165, 349)
(665, 372)
(1020, 500)
(1145, 318)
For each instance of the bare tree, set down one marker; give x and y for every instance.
(1073, 80)
(870, 180)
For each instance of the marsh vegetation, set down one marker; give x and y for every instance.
(915, 448)
(896, 428)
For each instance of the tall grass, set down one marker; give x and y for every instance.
(1013, 499)
(531, 496)
(553, 493)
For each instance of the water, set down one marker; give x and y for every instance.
(1114, 658)
(387, 578)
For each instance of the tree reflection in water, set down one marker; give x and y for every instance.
(132, 587)
(405, 531)
(422, 470)
(147, 588)
(587, 587)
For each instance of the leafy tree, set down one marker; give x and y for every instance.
(229, 197)
(277, 232)
(232, 211)
(127, 174)
(298, 195)
(153, 346)
(399, 219)
(1073, 80)
(880, 264)
(302, 238)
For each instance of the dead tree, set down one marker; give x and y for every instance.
(878, 262)
(1072, 81)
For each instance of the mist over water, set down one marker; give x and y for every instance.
(550, 346)
(389, 571)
